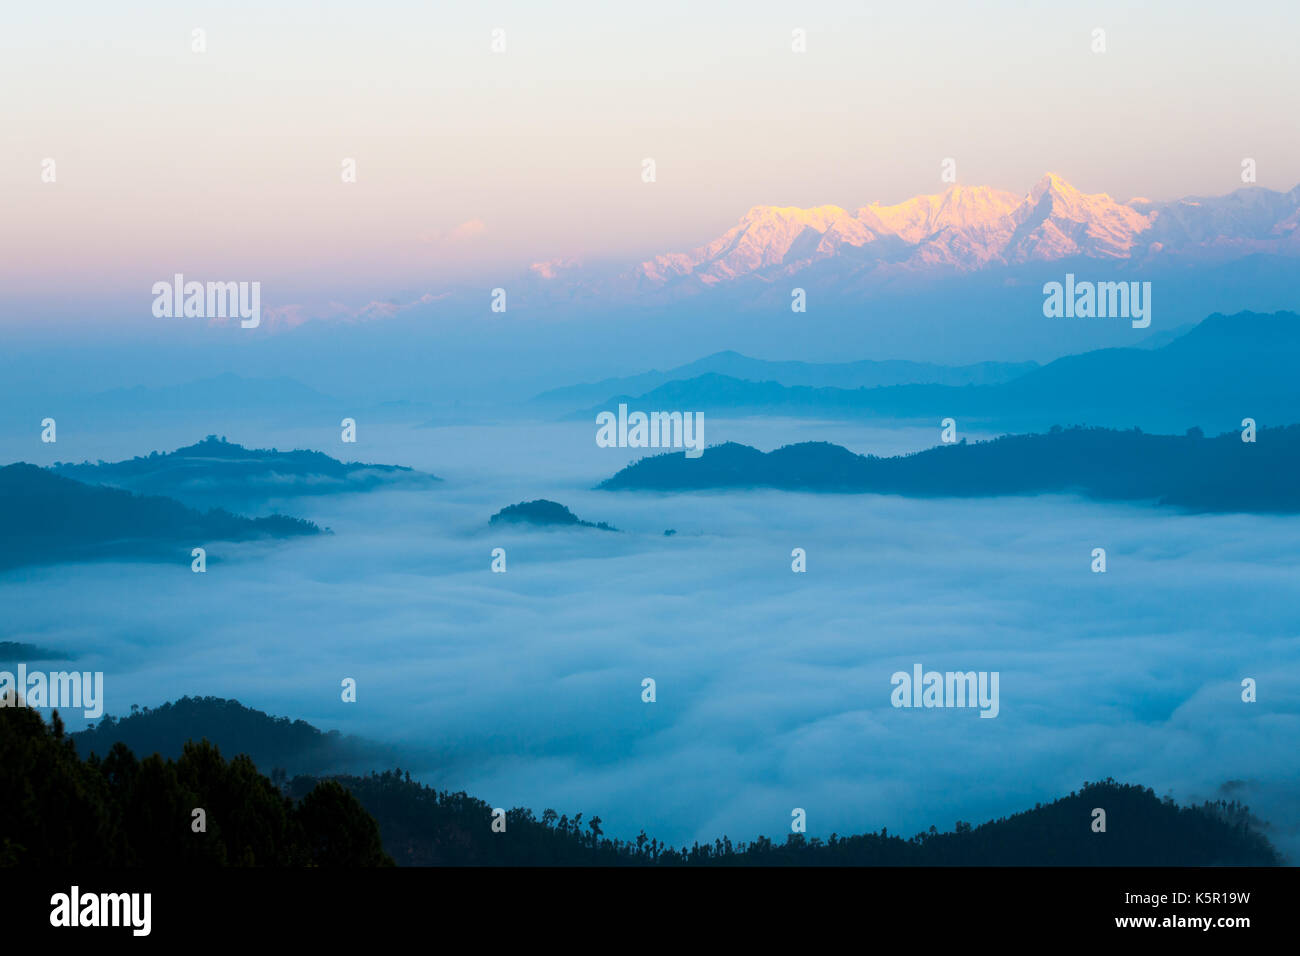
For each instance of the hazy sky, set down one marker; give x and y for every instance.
(474, 164)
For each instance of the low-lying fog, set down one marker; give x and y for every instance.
(773, 688)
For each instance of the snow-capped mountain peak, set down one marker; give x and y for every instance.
(967, 228)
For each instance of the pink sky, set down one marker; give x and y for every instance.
(474, 164)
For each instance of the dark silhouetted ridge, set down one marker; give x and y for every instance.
(543, 514)
(48, 518)
(1189, 471)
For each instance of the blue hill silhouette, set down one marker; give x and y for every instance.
(1187, 471)
(868, 373)
(544, 513)
(215, 465)
(48, 518)
(1222, 370)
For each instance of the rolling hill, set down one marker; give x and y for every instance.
(215, 466)
(1222, 474)
(47, 518)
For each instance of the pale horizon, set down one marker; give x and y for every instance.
(472, 165)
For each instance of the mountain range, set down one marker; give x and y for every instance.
(868, 373)
(1223, 370)
(972, 228)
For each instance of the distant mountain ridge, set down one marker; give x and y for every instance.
(867, 373)
(1192, 472)
(970, 228)
(1224, 369)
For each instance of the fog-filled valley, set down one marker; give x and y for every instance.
(773, 688)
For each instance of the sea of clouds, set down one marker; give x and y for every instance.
(773, 688)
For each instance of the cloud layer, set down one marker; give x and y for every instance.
(773, 687)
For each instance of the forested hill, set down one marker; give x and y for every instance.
(422, 826)
(1190, 471)
(215, 465)
(127, 810)
(543, 514)
(273, 743)
(47, 518)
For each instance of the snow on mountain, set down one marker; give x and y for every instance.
(1245, 214)
(1056, 221)
(960, 208)
(767, 236)
(967, 228)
